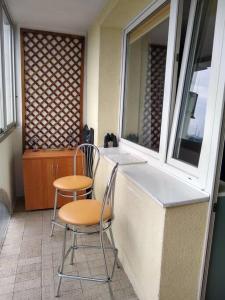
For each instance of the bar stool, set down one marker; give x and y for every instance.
(68, 186)
(82, 217)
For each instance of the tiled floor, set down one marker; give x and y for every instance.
(29, 260)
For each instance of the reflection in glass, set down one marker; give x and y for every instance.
(195, 94)
(144, 80)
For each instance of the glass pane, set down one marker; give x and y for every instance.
(195, 94)
(8, 88)
(144, 80)
(185, 8)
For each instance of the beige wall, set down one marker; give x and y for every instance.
(93, 48)
(182, 251)
(160, 249)
(109, 81)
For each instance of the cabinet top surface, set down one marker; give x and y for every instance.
(30, 154)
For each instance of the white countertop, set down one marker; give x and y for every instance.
(165, 189)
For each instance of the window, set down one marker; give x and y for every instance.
(190, 129)
(171, 75)
(7, 95)
(144, 80)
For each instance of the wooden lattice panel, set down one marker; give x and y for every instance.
(53, 88)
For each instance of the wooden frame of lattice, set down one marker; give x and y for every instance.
(52, 88)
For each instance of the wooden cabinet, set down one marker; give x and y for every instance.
(40, 169)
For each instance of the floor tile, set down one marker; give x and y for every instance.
(10, 279)
(6, 288)
(7, 270)
(8, 296)
(28, 284)
(47, 277)
(48, 292)
(20, 277)
(30, 294)
(28, 261)
(10, 250)
(29, 268)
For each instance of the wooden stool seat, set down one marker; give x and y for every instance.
(83, 212)
(73, 183)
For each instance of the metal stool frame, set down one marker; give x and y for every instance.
(104, 225)
(90, 161)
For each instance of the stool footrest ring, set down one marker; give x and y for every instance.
(97, 279)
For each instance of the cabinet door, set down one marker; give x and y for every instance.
(33, 187)
(48, 176)
(39, 175)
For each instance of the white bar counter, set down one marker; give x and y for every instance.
(159, 227)
(167, 190)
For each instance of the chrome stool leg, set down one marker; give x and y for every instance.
(115, 251)
(74, 237)
(109, 275)
(74, 244)
(54, 212)
(104, 255)
(63, 260)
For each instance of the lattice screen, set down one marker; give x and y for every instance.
(53, 88)
(153, 103)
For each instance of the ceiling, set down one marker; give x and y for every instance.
(68, 16)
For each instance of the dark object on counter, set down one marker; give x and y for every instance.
(107, 139)
(110, 140)
(114, 140)
(88, 135)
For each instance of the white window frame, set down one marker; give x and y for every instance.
(153, 156)
(198, 175)
(202, 176)
(3, 107)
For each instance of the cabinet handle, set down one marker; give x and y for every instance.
(52, 169)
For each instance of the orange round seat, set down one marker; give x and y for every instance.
(73, 183)
(83, 212)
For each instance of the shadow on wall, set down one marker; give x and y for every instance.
(4, 214)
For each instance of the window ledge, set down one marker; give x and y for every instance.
(162, 187)
(6, 133)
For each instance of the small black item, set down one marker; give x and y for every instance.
(110, 140)
(88, 135)
(114, 140)
(107, 139)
